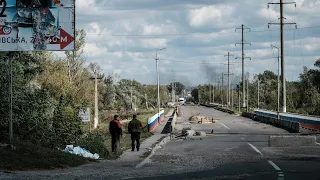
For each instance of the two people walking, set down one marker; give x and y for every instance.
(134, 128)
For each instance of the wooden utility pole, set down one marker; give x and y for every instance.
(243, 57)
(283, 78)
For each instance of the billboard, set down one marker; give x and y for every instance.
(37, 25)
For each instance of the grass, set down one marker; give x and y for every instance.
(125, 141)
(27, 156)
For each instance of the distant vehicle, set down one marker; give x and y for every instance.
(182, 101)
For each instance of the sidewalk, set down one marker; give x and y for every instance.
(147, 145)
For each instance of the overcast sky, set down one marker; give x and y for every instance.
(122, 36)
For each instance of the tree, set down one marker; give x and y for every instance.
(179, 87)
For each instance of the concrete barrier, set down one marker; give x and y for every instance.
(292, 141)
(154, 121)
(173, 122)
(306, 121)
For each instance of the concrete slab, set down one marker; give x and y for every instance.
(292, 141)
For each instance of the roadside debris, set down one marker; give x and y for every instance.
(80, 152)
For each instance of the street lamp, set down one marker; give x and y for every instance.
(158, 80)
(278, 110)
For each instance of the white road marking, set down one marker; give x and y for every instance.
(256, 149)
(274, 165)
(318, 144)
(223, 124)
(242, 138)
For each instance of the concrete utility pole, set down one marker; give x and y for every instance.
(145, 96)
(96, 115)
(258, 92)
(131, 95)
(283, 79)
(232, 92)
(228, 93)
(210, 93)
(239, 98)
(248, 93)
(213, 93)
(222, 89)
(243, 57)
(158, 80)
(278, 108)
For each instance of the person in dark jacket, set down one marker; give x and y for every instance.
(134, 128)
(115, 130)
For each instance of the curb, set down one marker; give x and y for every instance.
(157, 146)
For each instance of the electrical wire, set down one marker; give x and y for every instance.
(187, 34)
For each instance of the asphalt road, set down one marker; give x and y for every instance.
(238, 149)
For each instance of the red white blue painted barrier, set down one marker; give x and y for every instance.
(154, 121)
(311, 122)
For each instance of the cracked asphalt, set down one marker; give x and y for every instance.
(238, 149)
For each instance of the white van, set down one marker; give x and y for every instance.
(182, 101)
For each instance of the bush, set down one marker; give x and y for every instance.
(94, 142)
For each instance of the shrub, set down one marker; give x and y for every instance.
(94, 142)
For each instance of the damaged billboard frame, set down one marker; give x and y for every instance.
(37, 25)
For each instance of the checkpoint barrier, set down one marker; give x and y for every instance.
(154, 121)
(306, 121)
(291, 126)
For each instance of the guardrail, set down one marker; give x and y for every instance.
(291, 126)
(309, 122)
(154, 121)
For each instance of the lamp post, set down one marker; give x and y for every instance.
(278, 109)
(158, 80)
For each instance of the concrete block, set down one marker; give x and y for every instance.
(292, 141)
(201, 133)
(191, 132)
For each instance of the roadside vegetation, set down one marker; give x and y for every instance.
(48, 92)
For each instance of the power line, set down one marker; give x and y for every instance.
(188, 34)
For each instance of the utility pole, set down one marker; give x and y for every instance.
(278, 108)
(96, 115)
(158, 81)
(213, 93)
(258, 92)
(248, 93)
(239, 98)
(210, 93)
(228, 93)
(145, 96)
(131, 95)
(232, 93)
(243, 57)
(222, 89)
(283, 79)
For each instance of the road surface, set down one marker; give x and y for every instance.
(238, 149)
